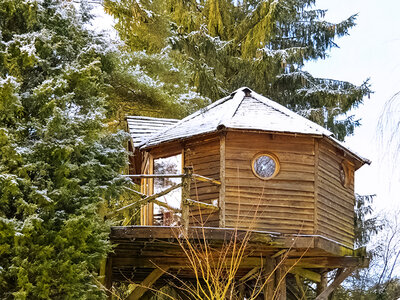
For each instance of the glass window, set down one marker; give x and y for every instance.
(265, 165)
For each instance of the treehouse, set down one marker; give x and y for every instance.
(244, 168)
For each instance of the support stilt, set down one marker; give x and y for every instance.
(269, 287)
(139, 291)
(108, 278)
(338, 280)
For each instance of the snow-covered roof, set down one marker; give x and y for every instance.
(141, 128)
(243, 109)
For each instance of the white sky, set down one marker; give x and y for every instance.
(370, 51)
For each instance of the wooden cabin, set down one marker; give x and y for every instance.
(257, 167)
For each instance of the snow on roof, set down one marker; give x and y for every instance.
(141, 128)
(243, 109)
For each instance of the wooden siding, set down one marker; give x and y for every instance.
(284, 203)
(335, 203)
(203, 156)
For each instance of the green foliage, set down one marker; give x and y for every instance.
(223, 45)
(150, 84)
(392, 291)
(365, 226)
(58, 163)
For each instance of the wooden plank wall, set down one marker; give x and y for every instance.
(203, 156)
(335, 205)
(283, 204)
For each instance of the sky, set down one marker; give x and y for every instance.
(371, 50)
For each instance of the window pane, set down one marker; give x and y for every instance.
(264, 166)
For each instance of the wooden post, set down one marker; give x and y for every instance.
(146, 284)
(338, 280)
(221, 200)
(108, 278)
(316, 183)
(321, 286)
(188, 171)
(269, 287)
(142, 207)
(242, 290)
(299, 283)
(280, 280)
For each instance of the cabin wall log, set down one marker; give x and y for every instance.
(284, 203)
(306, 196)
(204, 157)
(335, 205)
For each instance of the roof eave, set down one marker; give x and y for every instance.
(361, 160)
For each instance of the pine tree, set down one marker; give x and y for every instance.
(155, 85)
(58, 162)
(261, 44)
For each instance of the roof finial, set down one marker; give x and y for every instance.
(247, 92)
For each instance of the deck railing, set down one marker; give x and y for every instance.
(186, 178)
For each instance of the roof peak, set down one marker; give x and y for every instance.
(260, 114)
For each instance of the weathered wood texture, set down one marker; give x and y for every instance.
(306, 196)
(335, 203)
(146, 187)
(283, 204)
(203, 156)
(141, 249)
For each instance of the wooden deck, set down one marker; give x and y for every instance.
(139, 250)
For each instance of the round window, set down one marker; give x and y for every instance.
(344, 174)
(265, 165)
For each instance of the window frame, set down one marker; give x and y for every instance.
(273, 157)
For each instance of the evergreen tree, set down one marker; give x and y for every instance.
(155, 85)
(224, 45)
(58, 162)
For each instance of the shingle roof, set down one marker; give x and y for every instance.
(141, 128)
(243, 109)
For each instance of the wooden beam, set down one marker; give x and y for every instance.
(108, 277)
(294, 293)
(242, 290)
(222, 165)
(185, 196)
(247, 262)
(165, 205)
(202, 204)
(321, 286)
(249, 274)
(280, 280)
(326, 262)
(316, 184)
(147, 176)
(314, 276)
(145, 200)
(147, 283)
(136, 192)
(338, 280)
(279, 253)
(176, 262)
(206, 179)
(269, 284)
(150, 204)
(300, 287)
(332, 247)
